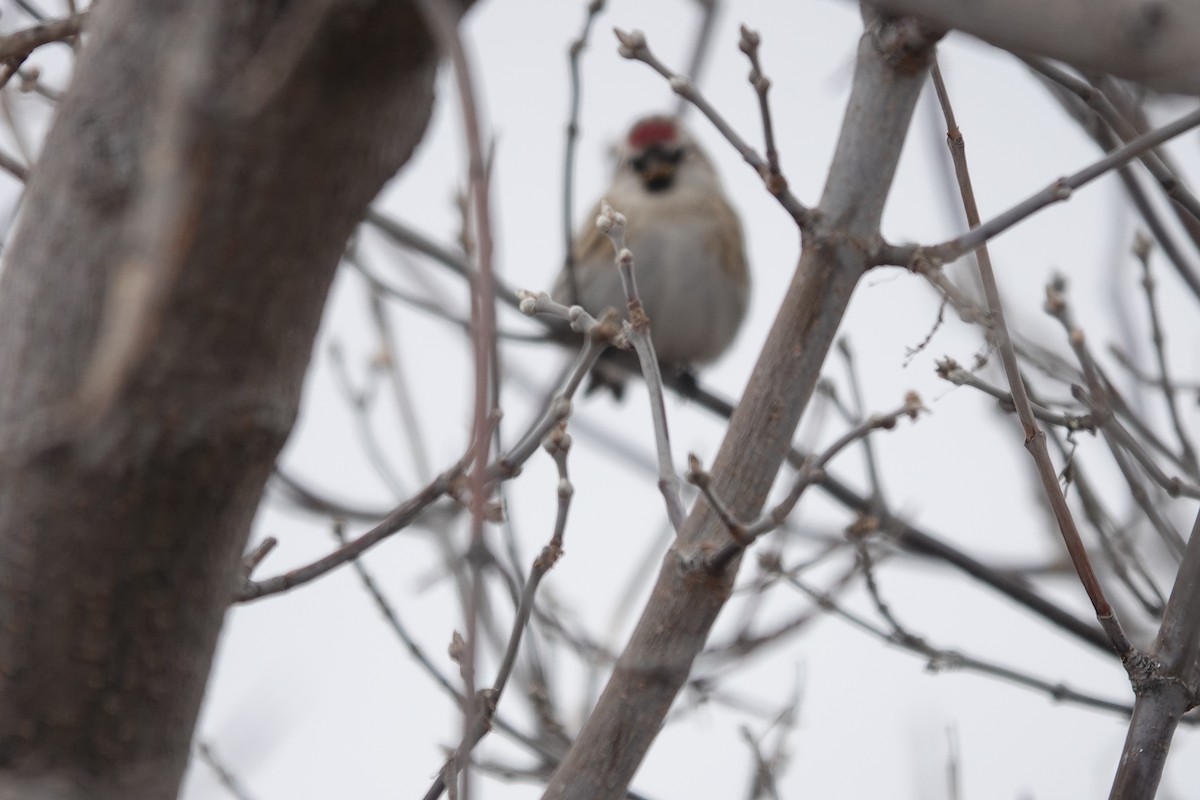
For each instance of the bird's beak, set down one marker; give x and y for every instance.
(658, 174)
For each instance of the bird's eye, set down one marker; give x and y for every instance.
(658, 155)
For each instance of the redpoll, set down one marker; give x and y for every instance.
(687, 245)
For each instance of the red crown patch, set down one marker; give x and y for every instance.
(657, 130)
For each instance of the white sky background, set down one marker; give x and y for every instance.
(313, 697)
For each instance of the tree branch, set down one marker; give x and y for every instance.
(1168, 689)
(1152, 43)
(687, 598)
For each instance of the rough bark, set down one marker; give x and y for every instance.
(151, 376)
(687, 597)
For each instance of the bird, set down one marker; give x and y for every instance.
(687, 244)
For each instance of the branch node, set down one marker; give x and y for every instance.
(681, 85)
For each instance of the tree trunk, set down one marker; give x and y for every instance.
(158, 306)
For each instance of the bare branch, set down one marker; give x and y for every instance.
(1057, 192)
(568, 196)
(18, 45)
(1124, 559)
(442, 19)
(1035, 438)
(227, 779)
(557, 444)
(1169, 687)
(403, 516)
(303, 496)
(702, 43)
(859, 414)
(1119, 440)
(943, 660)
(776, 183)
(13, 167)
(1100, 119)
(613, 224)
(950, 370)
(1158, 339)
(633, 46)
(1153, 158)
(1151, 43)
(811, 471)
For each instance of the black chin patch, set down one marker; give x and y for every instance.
(659, 183)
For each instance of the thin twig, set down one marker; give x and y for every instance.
(304, 497)
(1171, 185)
(31, 81)
(1130, 104)
(1057, 192)
(403, 516)
(252, 559)
(613, 224)
(1035, 438)
(634, 47)
(1117, 546)
(598, 335)
(13, 167)
(915, 540)
(1101, 393)
(915, 350)
(1187, 452)
(701, 44)
(572, 139)
(8, 69)
(856, 392)
(1133, 419)
(388, 360)
(950, 370)
(557, 444)
(1136, 372)
(1083, 102)
(443, 23)
(745, 643)
(953, 777)
(749, 42)
(939, 660)
(19, 44)
(360, 402)
(226, 778)
(811, 471)
(762, 778)
(392, 618)
(858, 534)
(434, 308)
(1118, 439)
